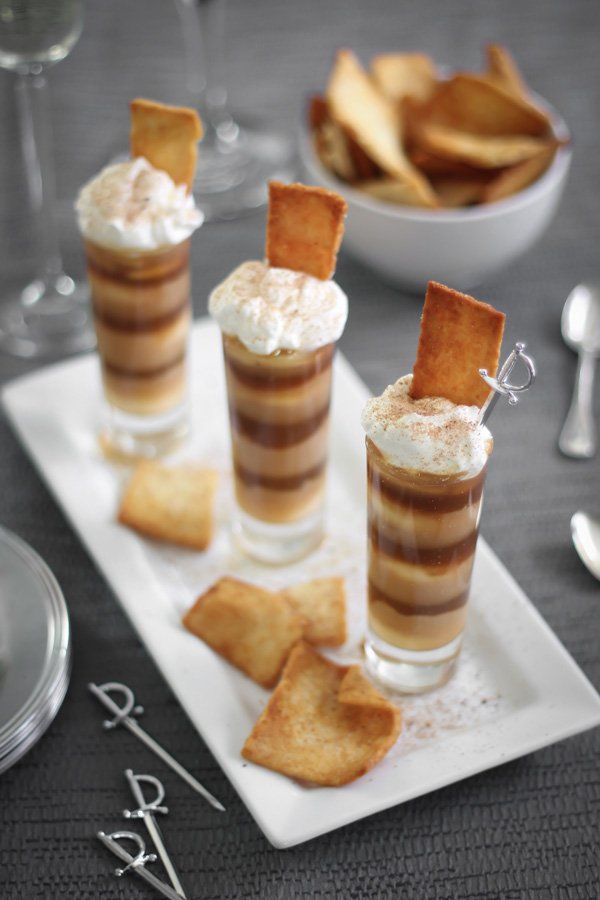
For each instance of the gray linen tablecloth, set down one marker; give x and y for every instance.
(528, 829)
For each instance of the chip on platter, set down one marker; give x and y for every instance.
(309, 732)
(322, 605)
(254, 629)
(167, 136)
(304, 228)
(173, 504)
(459, 335)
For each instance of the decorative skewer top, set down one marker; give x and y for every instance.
(502, 387)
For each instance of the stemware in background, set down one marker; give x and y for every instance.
(236, 158)
(50, 315)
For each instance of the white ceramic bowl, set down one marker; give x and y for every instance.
(459, 247)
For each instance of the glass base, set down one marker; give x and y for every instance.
(410, 671)
(278, 545)
(48, 318)
(126, 437)
(232, 173)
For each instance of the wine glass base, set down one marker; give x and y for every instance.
(232, 173)
(47, 319)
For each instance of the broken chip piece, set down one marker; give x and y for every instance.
(167, 136)
(459, 335)
(254, 629)
(315, 729)
(304, 228)
(322, 605)
(173, 504)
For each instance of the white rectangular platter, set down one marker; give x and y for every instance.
(516, 688)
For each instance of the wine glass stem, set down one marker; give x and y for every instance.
(203, 26)
(36, 136)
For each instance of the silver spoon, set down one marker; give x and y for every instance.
(580, 327)
(585, 532)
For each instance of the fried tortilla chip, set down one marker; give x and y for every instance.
(322, 605)
(459, 335)
(518, 177)
(400, 75)
(474, 104)
(167, 136)
(503, 71)
(389, 190)
(373, 122)
(307, 731)
(333, 151)
(482, 152)
(356, 690)
(173, 504)
(304, 228)
(318, 111)
(441, 167)
(460, 191)
(252, 628)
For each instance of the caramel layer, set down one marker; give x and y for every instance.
(277, 483)
(145, 373)
(137, 325)
(421, 556)
(435, 501)
(416, 608)
(276, 435)
(279, 379)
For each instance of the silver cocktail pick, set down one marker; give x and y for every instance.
(137, 863)
(501, 387)
(122, 717)
(146, 811)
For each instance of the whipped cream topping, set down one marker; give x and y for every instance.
(271, 309)
(430, 435)
(133, 206)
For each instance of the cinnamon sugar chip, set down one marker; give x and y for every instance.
(322, 605)
(170, 503)
(518, 177)
(459, 336)
(304, 228)
(254, 629)
(167, 136)
(374, 123)
(318, 728)
(503, 70)
(400, 75)
(473, 104)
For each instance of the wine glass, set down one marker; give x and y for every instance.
(50, 315)
(236, 158)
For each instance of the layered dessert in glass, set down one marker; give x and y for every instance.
(280, 320)
(427, 456)
(136, 219)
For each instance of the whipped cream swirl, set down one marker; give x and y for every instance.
(133, 206)
(271, 309)
(430, 435)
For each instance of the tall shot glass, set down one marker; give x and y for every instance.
(279, 417)
(142, 313)
(422, 534)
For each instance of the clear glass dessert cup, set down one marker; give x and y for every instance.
(279, 417)
(422, 535)
(142, 314)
